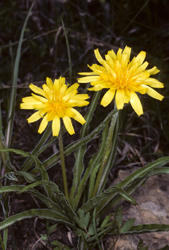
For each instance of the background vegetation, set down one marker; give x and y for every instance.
(142, 25)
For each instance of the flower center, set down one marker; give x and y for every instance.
(57, 105)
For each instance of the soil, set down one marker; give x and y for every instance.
(152, 207)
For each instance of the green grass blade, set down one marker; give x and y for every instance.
(41, 213)
(95, 228)
(1, 243)
(68, 52)
(10, 117)
(5, 207)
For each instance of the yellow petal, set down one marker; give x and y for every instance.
(35, 117)
(109, 60)
(120, 98)
(112, 54)
(139, 58)
(69, 112)
(97, 69)
(46, 90)
(154, 83)
(136, 104)
(72, 88)
(27, 105)
(88, 73)
(153, 71)
(43, 124)
(29, 99)
(56, 85)
(98, 56)
(37, 90)
(78, 117)
(49, 83)
(56, 126)
(107, 98)
(95, 88)
(51, 115)
(151, 92)
(127, 51)
(39, 98)
(88, 79)
(142, 68)
(68, 125)
(61, 80)
(119, 54)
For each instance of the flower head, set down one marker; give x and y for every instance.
(123, 78)
(53, 102)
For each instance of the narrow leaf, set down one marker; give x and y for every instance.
(41, 213)
(10, 117)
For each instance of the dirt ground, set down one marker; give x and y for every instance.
(153, 200)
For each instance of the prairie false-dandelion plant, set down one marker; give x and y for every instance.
(123, 78)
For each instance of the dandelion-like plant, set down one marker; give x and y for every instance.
(123, 78)
(53, 102)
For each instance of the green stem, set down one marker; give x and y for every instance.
(100, 179)
(62, 158)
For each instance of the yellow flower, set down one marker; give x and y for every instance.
(56, 100)
(123, 78)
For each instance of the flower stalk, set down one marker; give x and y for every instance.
(62, 158)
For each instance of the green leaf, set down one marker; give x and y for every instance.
(79, 155)
(52, 228)
(68, 52)
(111, 158)
(102, 198)
(83, 219)
(127, 226)
(5, 208)
(95, 161)
(148, 228)
(95, 229)
(41, 213)
(101, 177)
(11, 112)
(27, 176)
(118, 216)
(106, 220)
